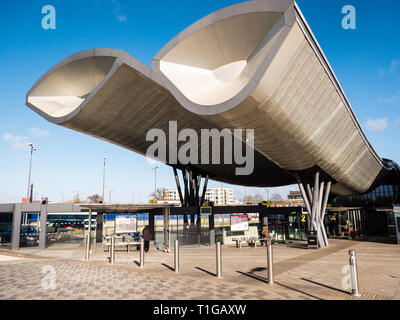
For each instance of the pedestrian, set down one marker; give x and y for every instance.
(146, 235)
(332, 226)
(264, 235)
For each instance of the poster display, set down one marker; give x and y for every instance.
(125, 224)
(239, 223)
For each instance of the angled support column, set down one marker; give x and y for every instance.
(203, 196)
(185, 181)
(178, 185)
(316, 199)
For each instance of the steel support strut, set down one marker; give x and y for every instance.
(316, 200)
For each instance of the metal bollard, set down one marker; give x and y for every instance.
(219, 260)
(87, 255)
(353, 274)
(270, 262)
(112, 250)
(141, 253)
(176, 256)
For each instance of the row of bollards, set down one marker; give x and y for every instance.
(352, 261)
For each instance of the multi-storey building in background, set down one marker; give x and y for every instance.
(220, 196)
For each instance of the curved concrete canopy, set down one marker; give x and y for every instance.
(255, 65)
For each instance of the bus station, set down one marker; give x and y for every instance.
(244, 96)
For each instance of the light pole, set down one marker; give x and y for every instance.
(104, 176)
(155, 182)
(111, 191)
(30, 170)
(267, 194)
(77, 196)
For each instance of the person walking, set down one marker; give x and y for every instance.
(146, 235)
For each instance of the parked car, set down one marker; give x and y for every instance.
(5, 236)
(29, 235)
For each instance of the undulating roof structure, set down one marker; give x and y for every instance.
(255, 65)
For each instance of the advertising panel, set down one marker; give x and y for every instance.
(125, 224)
(239, 223)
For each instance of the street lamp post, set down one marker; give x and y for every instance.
(155, 182)
(104, 176)
(30, 170)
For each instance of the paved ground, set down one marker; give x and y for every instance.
(299, 274)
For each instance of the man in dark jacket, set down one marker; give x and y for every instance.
(146, 235)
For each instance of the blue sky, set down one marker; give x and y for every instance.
(366, 62)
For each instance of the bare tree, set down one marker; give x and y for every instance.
(276, 197)
(94, 199)
(258, 198)
(248, 200)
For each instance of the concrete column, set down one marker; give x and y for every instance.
(152, 225)
(166, 228)
(16, 229)
(211, 228)
(99, 228)
(43, 225)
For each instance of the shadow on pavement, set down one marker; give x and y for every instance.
(206, 271)
(324, 285)
(297, 290)
(167, 266)
(265, 280)
(297, 245)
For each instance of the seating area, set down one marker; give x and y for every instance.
(121, 241)
(251, 241)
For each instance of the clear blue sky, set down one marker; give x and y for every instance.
(366, 61)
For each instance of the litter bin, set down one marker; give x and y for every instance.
(313, 240)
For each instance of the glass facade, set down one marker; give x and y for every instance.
(68, 230)
(29, 233)
(5, 230)
(382, 196)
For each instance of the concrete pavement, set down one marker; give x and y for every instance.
(299, 274)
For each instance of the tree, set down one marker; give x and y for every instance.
(276, 197)
(258, 198)
(94, 199)
(248, 200)
(161, 194)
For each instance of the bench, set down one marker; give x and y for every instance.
(238, 242)
(125, 243)
(251, 241)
